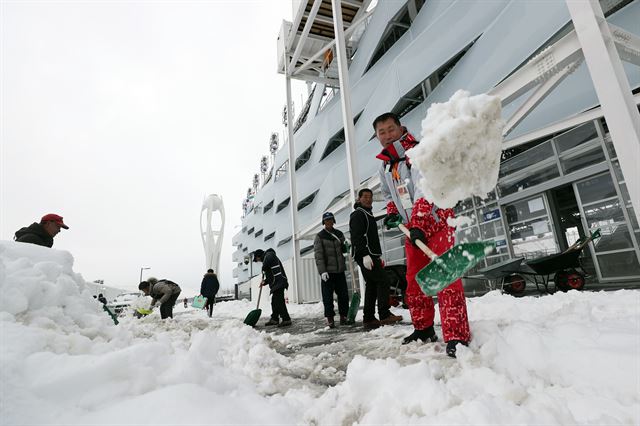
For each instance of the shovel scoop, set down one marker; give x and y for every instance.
(451, 265)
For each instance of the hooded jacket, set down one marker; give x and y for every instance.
(210, 285)
(273, 270)
(162, 291)
(364, 233)
(396, 174)
(327, 251)
(34, 234)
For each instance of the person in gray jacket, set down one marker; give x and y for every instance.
(164, 292)
(329, 247)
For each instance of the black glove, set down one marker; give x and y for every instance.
(417, 234)
(391, 218)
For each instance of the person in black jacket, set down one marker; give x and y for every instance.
(366, 252)
(41, 233)
(329, 247)
(209, 287)
(276, 278)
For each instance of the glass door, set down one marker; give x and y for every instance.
(531, 227)
(602, 207)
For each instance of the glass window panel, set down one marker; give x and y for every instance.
(596, 188)
(614, 237)
(535, 178)
(623, 264)
(609, 144)
(491, 196)
(585, 159)
(470, 217)
(632, 217)
(468, 235)
(603, 214)
(463, 205)
(577, 136)
(495, 260)
(533, 239)
(525, 209)
(617, 170)
(625, 194)
(491, 230)
(526, 159)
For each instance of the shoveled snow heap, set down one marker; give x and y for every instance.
(459, 154)
(567, 358)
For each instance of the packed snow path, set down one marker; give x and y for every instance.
(568, 358)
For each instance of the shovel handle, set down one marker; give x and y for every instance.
(419, 243)
(260, 294)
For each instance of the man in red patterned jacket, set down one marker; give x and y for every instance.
(427, 223)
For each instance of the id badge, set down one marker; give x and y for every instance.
(405, 197)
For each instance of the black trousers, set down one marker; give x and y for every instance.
(376, 287)
(337, 283)
(166, 309)
(278, 306)
(209, 305)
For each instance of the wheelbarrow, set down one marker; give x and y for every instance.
(565, 267)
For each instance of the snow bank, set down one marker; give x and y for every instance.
(563, 359)
(459, 154)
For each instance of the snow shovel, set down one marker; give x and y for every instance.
(142, 312)
(111, 314)
(355, 298)
(253, 316)
(451, 265)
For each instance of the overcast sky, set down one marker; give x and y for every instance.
(122, 116)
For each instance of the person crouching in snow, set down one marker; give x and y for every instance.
(276, 278)
(164, 292)
(427, 223)
(329, 247)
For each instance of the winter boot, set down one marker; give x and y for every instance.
(285, 323)
(271, 322)
(391, 319)
(331, 322)
(428, 334)
(451, 347)
(371, 324)
(343, 320)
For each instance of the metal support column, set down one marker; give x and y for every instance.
(613, 89)
(292, 186)
(345, 97)
(347, 115)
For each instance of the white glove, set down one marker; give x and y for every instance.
(324, 276)
(367, 262)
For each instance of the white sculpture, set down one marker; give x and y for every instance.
(212, 234)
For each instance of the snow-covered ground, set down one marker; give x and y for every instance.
(569, 358)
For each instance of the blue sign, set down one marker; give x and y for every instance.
(490, 215)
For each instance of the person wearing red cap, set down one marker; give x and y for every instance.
(41, 233)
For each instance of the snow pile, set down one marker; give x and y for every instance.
(459, 154)
(39, 288)
(563, 359)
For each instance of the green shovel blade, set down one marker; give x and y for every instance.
(253, 317)
(453, 263)
(353, 308)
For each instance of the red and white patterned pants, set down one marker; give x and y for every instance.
(451, 300)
